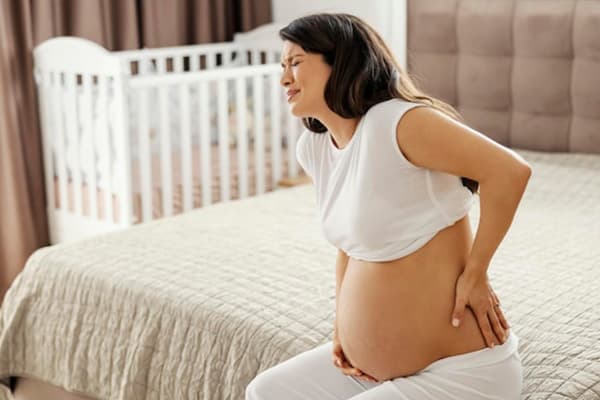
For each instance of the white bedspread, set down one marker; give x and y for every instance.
(194, 306)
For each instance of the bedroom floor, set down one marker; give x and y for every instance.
(31, 389)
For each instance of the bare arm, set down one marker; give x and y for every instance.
(432, 140)
(341, 263)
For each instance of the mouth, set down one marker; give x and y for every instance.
(291, 94)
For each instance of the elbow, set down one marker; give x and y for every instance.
(523, 172)
(521, 169)
(519, 178)
(514, 178)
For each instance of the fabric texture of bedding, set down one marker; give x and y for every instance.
(194, 306)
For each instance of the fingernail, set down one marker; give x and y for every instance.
(455, 322)
(493, 344)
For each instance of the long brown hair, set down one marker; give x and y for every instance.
(364, 70)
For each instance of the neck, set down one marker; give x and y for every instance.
(341, 129)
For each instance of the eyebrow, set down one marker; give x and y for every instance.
(294, 55)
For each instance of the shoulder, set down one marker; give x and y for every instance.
(390, 111)
(307, 151)
(431, 139)
(307, 141)
(303, 144)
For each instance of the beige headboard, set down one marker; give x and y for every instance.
(524, 72)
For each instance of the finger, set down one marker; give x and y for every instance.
(499, 311)
(337, 357)
(486, 330)
(368, 378)
(345, 365)
(502, 318)
(459, 310)
(496, 326)
(352, 371)
(338, 352)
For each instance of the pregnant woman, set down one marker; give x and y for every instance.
(396, 173)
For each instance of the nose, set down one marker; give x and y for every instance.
(286, 77)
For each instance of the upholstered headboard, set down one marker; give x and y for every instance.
(524, 72)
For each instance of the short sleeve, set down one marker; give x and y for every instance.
(304, 153)
(384, 118)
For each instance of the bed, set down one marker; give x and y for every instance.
(193, 306)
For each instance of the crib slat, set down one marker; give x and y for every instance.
(223, 122)
(45, 101)
(88, 130)
(270, 57)
(74, 142)
(256, 57)
(145, 65)
(211, 60)
(105, 151)
(144, 154)
(242, 136)
(123, 154)
(178, 63)
(292, 133)
(165, 144)
(205, 144)
(259, 134)
(194, 62)
(275, 129)
(186, 146)
(59, 137)
(226, 54)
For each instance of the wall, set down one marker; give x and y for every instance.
(388, 17)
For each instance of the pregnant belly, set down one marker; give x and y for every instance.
(394, 318)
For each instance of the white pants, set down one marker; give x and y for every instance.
(491, 373)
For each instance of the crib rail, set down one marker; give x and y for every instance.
(160, 61)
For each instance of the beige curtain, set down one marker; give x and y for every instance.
(115, 24)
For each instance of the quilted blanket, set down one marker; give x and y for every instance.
(194, 306)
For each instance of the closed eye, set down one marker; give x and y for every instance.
(293, 65)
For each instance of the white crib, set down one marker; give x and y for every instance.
(132, 136)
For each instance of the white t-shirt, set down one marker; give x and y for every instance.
(373, 203)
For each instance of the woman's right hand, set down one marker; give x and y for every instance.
(340, 361)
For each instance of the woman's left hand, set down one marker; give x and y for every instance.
(475, 292)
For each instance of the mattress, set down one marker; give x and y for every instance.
(194, 306)
(177, 190)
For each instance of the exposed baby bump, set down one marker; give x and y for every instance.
(395, 324)
(379, 337)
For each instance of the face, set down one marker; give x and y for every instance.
(304, 78)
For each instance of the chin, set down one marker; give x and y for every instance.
(298, 111)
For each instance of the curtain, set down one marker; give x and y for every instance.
(114, 24)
